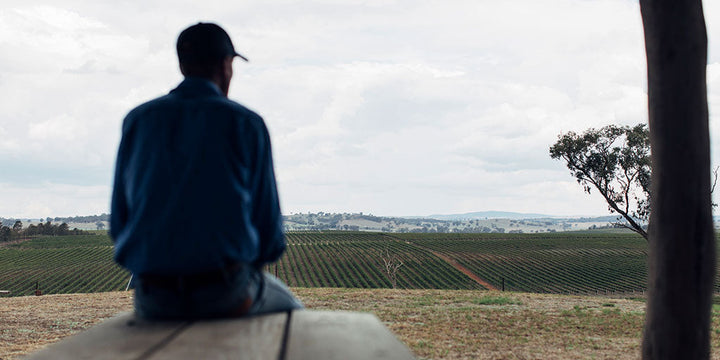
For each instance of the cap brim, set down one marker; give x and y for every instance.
(242, 57)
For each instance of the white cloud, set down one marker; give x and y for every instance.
(395, 107)
(58, 19)
(63, 128)
(52, 199)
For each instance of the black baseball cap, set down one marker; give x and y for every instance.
(204, 42)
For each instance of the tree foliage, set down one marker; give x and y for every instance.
(615, 161)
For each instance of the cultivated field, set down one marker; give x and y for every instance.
(441, 308)
(564, 263)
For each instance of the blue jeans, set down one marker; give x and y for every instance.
(266, 294)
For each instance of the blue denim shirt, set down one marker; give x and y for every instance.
(194, 185)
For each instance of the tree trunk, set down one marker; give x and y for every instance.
(682, 242)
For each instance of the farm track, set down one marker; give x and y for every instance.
(464, 270)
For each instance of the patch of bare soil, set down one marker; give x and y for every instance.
(5, 244)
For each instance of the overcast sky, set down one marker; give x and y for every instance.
(385, 107)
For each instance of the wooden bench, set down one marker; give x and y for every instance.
(301, 334)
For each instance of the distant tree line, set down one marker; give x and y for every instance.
(84, 219)
(74, 219)
(16, 231)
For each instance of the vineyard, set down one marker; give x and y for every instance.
(547, 263)
(355, 259)
(61, 265)
(542, 263)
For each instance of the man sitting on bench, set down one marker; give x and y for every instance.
(195, 210)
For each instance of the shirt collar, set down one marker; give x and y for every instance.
(196, 86)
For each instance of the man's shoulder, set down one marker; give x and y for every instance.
(151, 105)
(235, 108)
(235, 111)
(220, 106)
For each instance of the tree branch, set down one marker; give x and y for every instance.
(634, 225)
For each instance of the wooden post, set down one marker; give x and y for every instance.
(681, 242)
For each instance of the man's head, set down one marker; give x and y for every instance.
(205, 50)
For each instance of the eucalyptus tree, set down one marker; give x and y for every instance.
(615, 162)
(682, 241)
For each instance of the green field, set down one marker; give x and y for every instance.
(583, 263)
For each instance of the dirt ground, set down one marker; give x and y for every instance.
(435, 324)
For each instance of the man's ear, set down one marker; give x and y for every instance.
(226, 74)
(228, 66)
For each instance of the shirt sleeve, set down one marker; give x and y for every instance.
(266, 207)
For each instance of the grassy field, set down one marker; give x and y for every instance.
(435, 324)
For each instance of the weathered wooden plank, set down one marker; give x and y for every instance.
(258, 337)
(122, 337)
(341, 335)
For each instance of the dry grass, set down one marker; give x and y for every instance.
(435, 324)
(439, 324)
(31, 322)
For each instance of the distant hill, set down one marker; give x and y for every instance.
(489, 215)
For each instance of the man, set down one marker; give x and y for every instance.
(195, 211)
